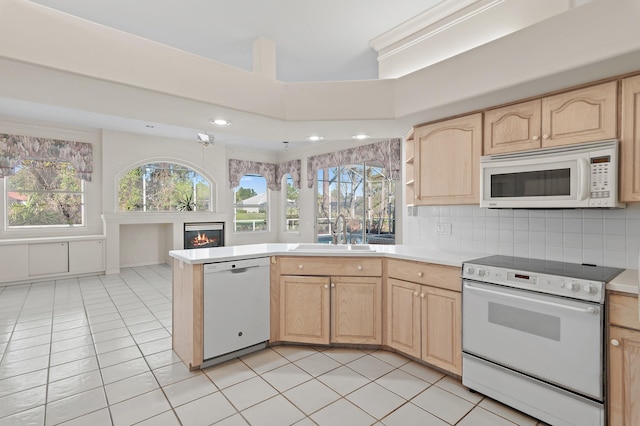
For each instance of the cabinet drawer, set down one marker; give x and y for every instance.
(447, 277)
(623, 311)
(353, 266)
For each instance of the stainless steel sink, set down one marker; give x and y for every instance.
(333, 248)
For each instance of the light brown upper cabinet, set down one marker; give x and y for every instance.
(582, 115)
(630, 142)
(446, 161)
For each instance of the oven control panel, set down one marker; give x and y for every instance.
(576, 288)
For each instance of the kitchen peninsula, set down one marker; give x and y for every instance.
(400, 298)
(405, 278)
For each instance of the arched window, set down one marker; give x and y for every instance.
(291, 206)
(251, 204)
(163, 187)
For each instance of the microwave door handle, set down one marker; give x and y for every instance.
(583, 179)
(589, 310)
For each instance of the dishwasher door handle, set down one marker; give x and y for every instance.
(239, 270)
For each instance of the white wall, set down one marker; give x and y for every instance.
(596, 236)
(145, 244)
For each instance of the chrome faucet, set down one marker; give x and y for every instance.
(335, 231)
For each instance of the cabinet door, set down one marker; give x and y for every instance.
(14, 262)
(624, 377)
(403, 316)
(441, 328)
(630, 142)
(582, 115)
(304, 309)
(513, 128)
(48, 258)
(86, 256)
(447, 162)
(356, 310)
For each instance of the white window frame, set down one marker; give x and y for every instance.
(266, 206)
(285, 204)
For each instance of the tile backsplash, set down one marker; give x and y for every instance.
(596, 236)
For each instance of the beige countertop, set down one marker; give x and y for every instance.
(227, 253)
(626, 282)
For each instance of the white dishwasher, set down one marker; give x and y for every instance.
(236, 308)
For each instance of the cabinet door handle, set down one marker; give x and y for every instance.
(615, 342)
(326, 286)
(422, 295)
(535, 137)
(359, 267)
(545, 136)
(420, 274)
(300, 266)
(415, 293)
(333, 285)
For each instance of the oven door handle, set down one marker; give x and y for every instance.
(589, 310)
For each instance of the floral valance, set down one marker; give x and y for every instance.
(387, 152)
(292, 168)
(14, 149)
(272, 173)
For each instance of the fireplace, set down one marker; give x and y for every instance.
(203, 235)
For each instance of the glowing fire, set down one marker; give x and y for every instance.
(203, 240)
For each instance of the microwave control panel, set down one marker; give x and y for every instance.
(601, 187)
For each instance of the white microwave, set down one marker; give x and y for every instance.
(571, 176)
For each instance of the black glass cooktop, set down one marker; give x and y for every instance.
(550, 267)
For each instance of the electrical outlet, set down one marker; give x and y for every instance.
(443, 229)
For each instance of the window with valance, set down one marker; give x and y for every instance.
(14, 149)
(44, 185)
(273, 173)
(386, 152)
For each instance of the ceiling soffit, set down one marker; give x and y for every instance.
(34, 35)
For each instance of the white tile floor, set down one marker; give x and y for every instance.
(97, 351)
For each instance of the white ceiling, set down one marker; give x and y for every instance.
(315, 40)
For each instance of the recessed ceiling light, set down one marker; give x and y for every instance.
(315, 138)
(220, 122)
(360, 136)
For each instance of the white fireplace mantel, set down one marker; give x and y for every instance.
(112, 222)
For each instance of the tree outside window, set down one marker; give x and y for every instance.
(251, 204)
(44, 193)
(163, 187)
(364, 195)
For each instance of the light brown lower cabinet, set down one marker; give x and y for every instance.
(323, 310)
(304, 309)
(424, 322)
(624, 360)
(624, 377)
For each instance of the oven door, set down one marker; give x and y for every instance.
(554, 339)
